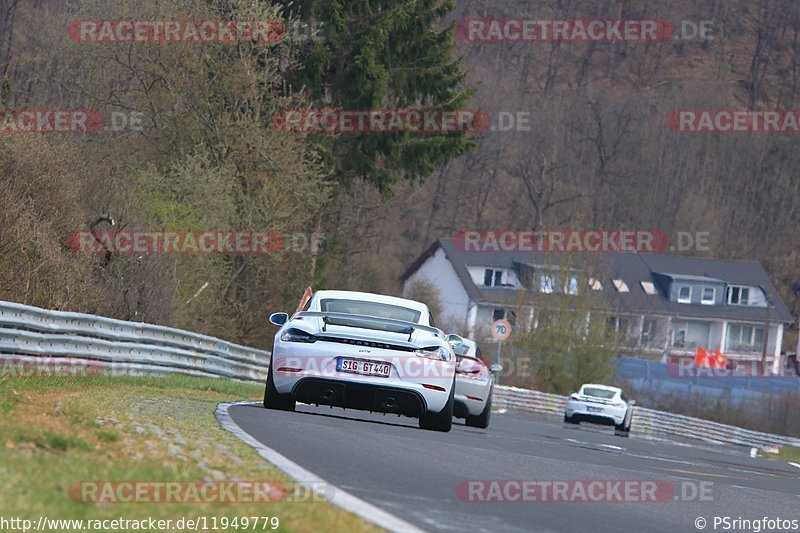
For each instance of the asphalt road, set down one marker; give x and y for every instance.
(414, 474)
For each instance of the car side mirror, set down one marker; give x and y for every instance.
(454, 340)
(279, 319)
(496, 368)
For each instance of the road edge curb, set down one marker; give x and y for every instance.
(337, 497)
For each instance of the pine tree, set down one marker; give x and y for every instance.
(385, 54)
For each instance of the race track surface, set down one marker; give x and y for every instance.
(414, 474)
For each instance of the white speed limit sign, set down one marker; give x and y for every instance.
(501, 329)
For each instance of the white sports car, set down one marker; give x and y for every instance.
(600, 404)
(363, 351)
(474, 382)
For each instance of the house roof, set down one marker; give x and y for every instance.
(632, 268)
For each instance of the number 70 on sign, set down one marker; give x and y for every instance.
(501, 329)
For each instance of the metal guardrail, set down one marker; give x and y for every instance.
(34, 336)
(645, 421)
(30, 334)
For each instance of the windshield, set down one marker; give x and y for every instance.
(599, 393)
(375, 309)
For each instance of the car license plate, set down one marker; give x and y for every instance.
(365, 368)
(594, 409)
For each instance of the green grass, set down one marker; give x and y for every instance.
(789, 453)
(58, 432)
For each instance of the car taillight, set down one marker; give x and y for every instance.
(297, 335)
(434, 352)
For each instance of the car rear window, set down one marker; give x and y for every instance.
(598, 393)
(356, 307)
(461, 349)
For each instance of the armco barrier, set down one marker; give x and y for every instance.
(28, 333)
(31, 336)
(645, 421)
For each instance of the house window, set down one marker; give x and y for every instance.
(492, 278)
(744, 338)
(620, 285)
(649, 332)
(709, 296)
(689, 334)
(680, 337)
(684, 295)
(649, 287)
(618, 325)
(498, 314)
(571, 286)
(546, 283)
(511, 316)
(738, 295)
(595, 284)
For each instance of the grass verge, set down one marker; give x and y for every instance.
(56, 433)
(789, 453)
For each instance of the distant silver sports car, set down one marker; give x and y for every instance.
(600, 404)
(474, 382)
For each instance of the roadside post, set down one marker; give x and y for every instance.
(501, 330)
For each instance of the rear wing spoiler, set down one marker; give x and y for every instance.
(369, 322)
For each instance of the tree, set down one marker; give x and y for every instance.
(427, 293)
(391, 53)
(566, 340)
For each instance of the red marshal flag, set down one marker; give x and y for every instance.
(718, 360)
(304, 300)
(701, 357)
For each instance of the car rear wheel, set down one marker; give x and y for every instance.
(275, 400)
(624, 429)
(481, 420)
(443, 420)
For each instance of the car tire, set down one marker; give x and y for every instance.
(624, 429)
(443, 420)
(570, 420)
(482, 420)
(275, 400)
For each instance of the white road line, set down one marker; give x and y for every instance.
(793, 464)
(336, 496)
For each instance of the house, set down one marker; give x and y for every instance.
(662, 306)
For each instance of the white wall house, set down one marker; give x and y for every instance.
(662, 306)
